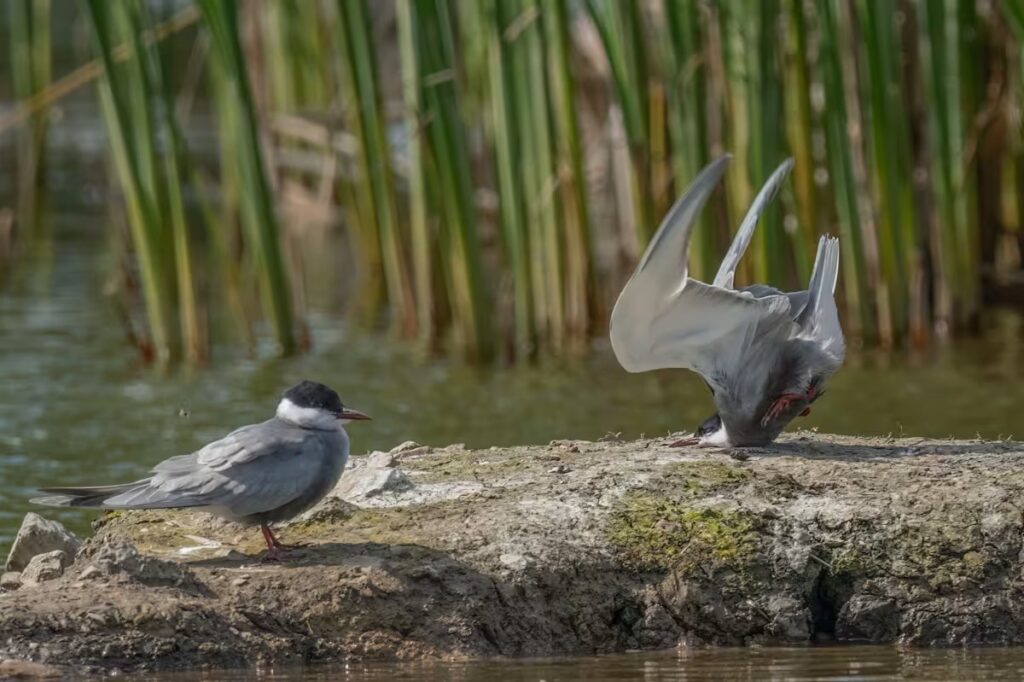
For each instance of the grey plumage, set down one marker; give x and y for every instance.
(258, 474)
(765, 354)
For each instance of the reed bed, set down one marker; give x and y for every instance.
(511, 158)
(29, 41)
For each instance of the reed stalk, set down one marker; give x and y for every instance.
(451, 181)
(685, 68)
(423, 250)
(31, 72)
(856, 288)
(255, 203)
(374, 157)
(620, 26)
(125, 96)
(506, 133)
(890, 165)
(572, 192)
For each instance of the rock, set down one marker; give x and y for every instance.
(330, 510)
(382, 460)
(641, 546)
(38, 536)
(410, 448)
(90, 573)
(116, 558)
(43, 567)
(13, 669)
(516, 562)
(364, 482)
(10, 581)
(868, 619)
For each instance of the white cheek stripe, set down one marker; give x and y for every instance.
(309, 417)
(719, 437)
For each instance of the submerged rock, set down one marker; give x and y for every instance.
(38, 536)
(636, 545)
(12, 669)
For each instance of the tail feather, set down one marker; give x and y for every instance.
(821, 289)
(85, 496)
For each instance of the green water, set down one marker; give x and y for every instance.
(849, 664)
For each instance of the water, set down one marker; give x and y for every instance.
(846, 663)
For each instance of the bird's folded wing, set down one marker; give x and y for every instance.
(247, 471)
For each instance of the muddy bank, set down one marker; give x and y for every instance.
(572, 548)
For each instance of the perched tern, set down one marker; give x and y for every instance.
(259, 474)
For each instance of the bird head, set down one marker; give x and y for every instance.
(313, 405)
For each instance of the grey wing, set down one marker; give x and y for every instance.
(727, 270)
(709, 329)
(254, 469)
(797, 299)
(664, 262)
(819, 318)
(665, 319)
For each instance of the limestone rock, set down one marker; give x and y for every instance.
(44, 567)
(367, 481)
(382, 460)
(117, 558)
(409, 448)
(38, 536)
(330, 510)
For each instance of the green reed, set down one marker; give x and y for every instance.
(256, 205)
(29, 40)
(483, 224)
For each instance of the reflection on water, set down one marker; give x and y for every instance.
(849, 663)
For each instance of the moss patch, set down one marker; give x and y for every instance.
(657, 533)
(702, 478)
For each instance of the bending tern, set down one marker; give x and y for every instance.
(765, 354)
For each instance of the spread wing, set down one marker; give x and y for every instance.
(727, 270)
(663, 318)
(254, 469)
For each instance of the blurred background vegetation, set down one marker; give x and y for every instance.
(495, 167)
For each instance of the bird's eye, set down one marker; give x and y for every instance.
(709, 426)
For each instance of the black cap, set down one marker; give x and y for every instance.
(317, 396)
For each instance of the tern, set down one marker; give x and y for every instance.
(256, 475)
(765, 354)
